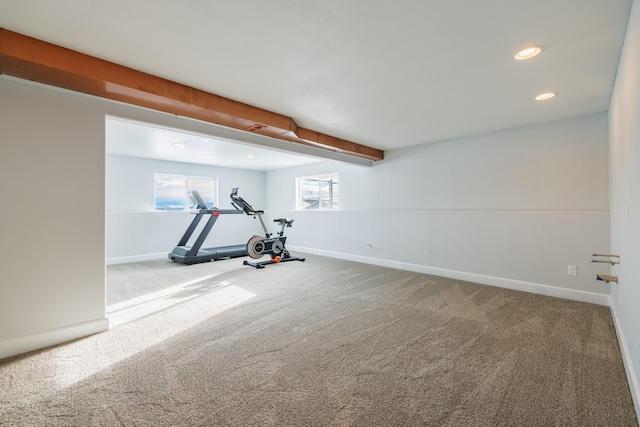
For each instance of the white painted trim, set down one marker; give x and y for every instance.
(137, 258)
(40, 340)
(632, 378)
(518, 285)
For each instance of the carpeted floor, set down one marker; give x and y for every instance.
(323, 343)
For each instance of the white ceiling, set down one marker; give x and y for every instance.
(134, 139)
(382, 73)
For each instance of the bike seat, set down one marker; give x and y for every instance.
(287, 221)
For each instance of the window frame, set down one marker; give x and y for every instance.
(334, 198)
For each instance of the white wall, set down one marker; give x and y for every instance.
(511, 208)
(52, 182)
(52, 217)
(624, 155)
(135, 231)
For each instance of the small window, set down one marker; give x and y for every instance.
(171, 192)
(317, 192)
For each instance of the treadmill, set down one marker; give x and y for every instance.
(195, 254)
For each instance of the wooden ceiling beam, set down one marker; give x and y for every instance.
(28, 58)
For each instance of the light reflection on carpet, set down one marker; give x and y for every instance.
(135, 326)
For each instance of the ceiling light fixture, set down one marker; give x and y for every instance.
(251, 156)
(528, 53)
(178, 144)
(545, 96)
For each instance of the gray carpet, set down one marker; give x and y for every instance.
(323, 343)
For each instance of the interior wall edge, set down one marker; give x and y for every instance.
(40, 340)
(632, 378)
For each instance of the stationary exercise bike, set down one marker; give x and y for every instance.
(259, 246)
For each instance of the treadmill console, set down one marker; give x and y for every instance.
(197, 199)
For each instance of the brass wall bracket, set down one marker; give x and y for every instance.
(606, 278)
(613, 260)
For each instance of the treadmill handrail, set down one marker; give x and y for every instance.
(214, 211)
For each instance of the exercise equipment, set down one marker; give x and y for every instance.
(259, 246)
(184, 254)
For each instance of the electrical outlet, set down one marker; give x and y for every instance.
(572, 270)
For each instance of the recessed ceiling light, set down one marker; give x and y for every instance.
(545, 96)
(178, 144)
(251, 156)
(528, 52)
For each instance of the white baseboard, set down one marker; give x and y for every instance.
(137, 258)
(40, 340)
(632, 378)
(518, 285)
